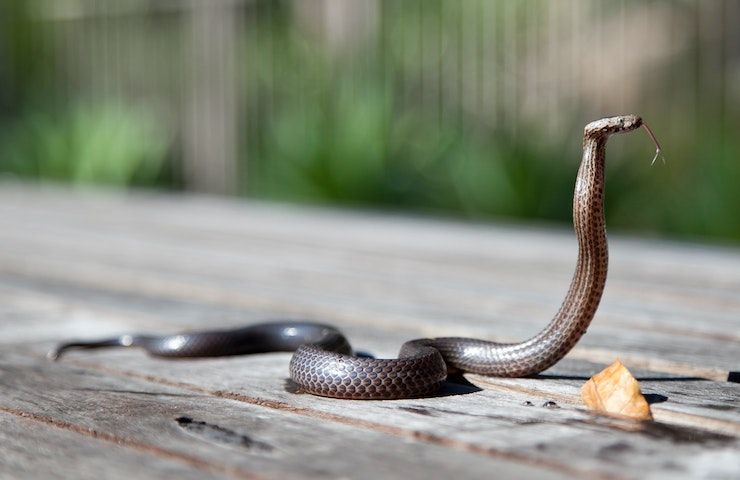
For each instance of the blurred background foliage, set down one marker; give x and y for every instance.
(472, 108)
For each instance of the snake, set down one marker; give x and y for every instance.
(324, 364)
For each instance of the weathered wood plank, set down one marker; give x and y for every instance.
(233, 439)
(495, 421)
(676, 400)
(32, 448)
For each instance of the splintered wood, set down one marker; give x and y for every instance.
(615, 391)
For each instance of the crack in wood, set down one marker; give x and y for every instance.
(684, 435)
(222, 435)
(136, 392)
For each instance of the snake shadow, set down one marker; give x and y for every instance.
(456, 384)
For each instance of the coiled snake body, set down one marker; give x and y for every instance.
(323, 363)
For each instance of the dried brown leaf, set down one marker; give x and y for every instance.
(615, 391)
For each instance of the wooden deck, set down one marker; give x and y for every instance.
(88, 265)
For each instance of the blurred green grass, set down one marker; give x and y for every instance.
(331, 128)
(112, 145)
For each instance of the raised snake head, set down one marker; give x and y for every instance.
(608, 126)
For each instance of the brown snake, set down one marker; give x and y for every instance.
(323, 364)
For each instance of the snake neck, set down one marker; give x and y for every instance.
(589, 278)
(587, 285)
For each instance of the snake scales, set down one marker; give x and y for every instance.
(323, 363)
